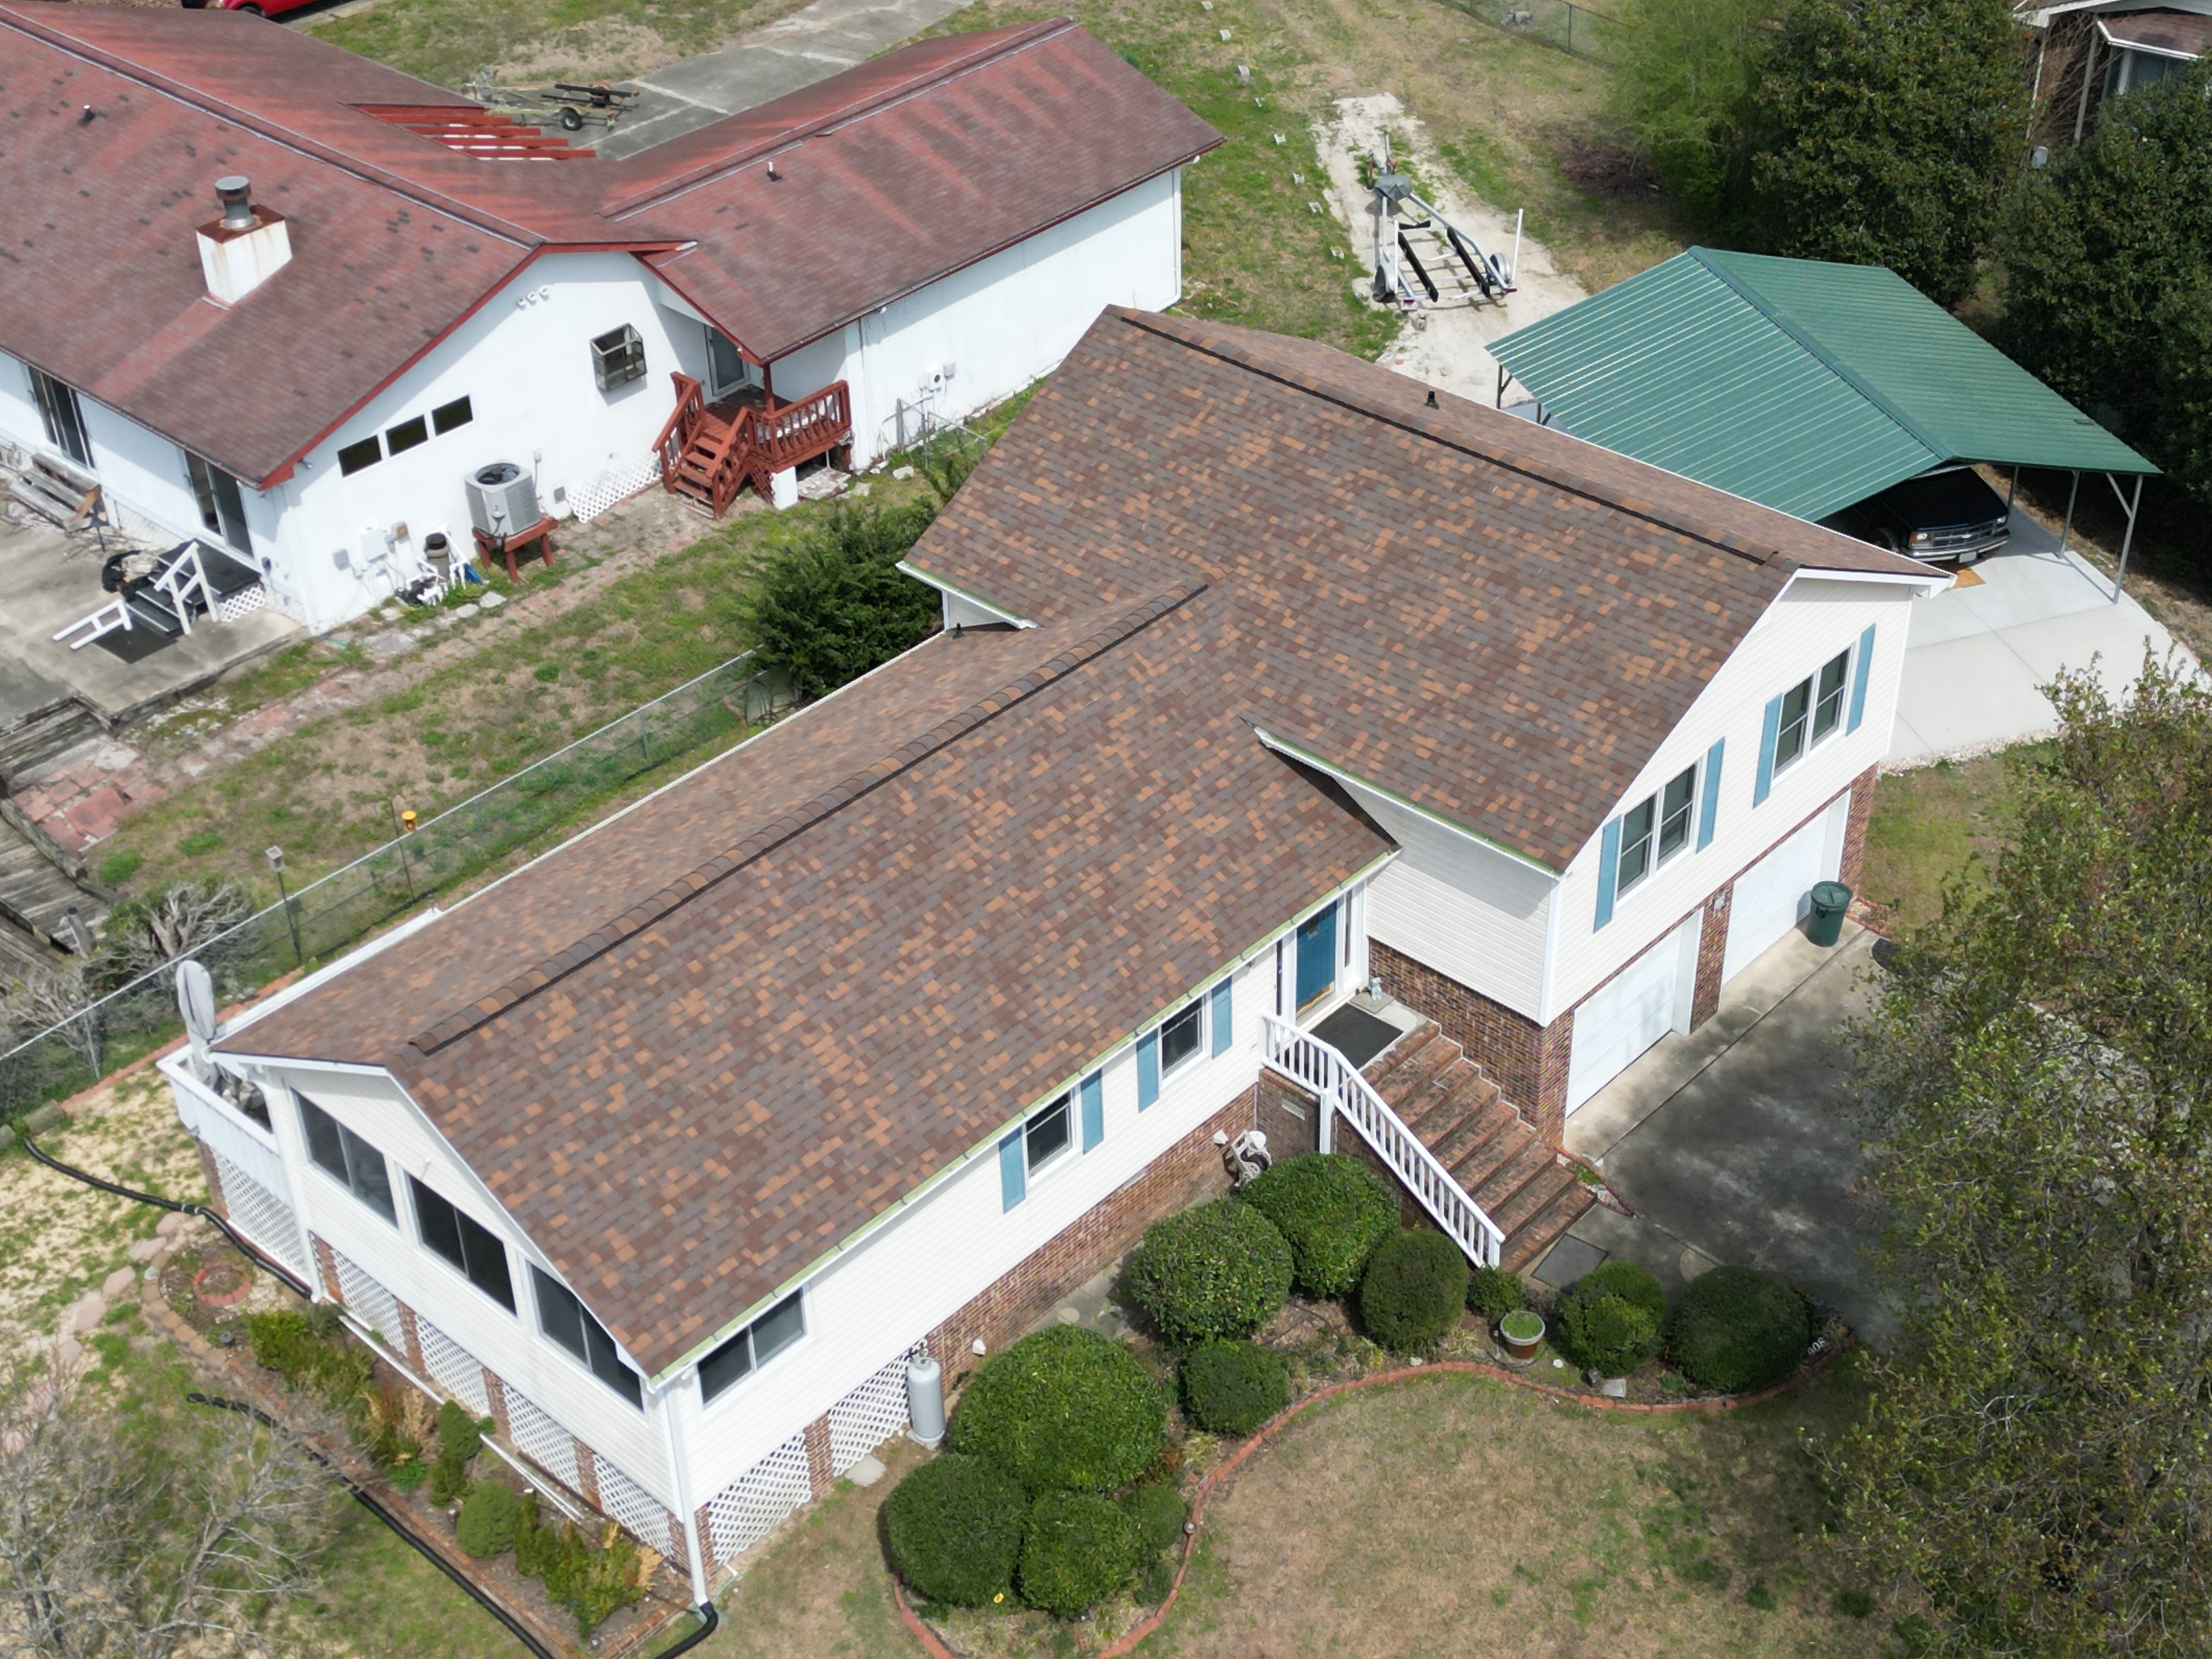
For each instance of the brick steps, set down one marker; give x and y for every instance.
(1460, 1115)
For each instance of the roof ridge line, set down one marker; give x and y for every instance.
(1724, 542)
(679, 892)
(261, 126)
(843, 116)
(1820, 353)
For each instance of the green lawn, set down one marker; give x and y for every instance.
(1934, 823)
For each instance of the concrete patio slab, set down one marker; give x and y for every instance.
(1977, 655)
(813, 44)
(1734, 1142)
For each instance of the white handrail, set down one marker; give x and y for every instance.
(1323, 1070)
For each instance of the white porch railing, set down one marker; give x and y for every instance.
(1322, 1070)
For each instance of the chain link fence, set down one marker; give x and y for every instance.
(320, 918)
(1560, 23)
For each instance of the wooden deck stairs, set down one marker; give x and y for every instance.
(710, 452)
(1458, 1113)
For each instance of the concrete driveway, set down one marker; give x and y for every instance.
(1732, 1140)
(1977, 653)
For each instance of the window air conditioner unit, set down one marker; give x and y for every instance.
(617, 358)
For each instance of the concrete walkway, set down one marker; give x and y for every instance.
(810, 45)
(1731, 1143)
(1977, 654)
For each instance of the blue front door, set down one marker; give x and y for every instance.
(1317, 956)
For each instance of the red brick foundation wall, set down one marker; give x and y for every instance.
(1188, 1171)
(821, 1474)
(1547, 1114)
(1712, 946)
(216, 1201)
(1855, 828)
(1287, 1116)
(587, 1472)
(411, 1335)
(1505, 1044)
(327, 1265)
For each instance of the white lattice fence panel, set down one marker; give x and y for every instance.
(542, 1441)
(746, 1510)
(649, 1521)
(262, 1216)
(452, 1367)
(868, 1416)
(368, 1301)
(244, 603)
(616, 484)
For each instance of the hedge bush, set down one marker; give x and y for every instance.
(1232, 1388)
(1064, 1409)
(1608, 1333)
(460, 1438)
(485, 1526)
(1492, 1293)
(1222, 1269)
(1625, 1279)
(1158, 1512)
(1737, 1330)
(955, 1528)
(1080, 1550)
(594, 1581)
(1413, 1290)
(309, 1351)
(1332, 1210)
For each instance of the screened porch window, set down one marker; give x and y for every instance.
(349, 1160)
(569, 1323)
(753, 1346)
(463, 1241)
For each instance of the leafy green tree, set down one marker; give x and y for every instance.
(2039, 1077)
(1888, 132)
(1683, 85)
(833, 604)
(2106, 294)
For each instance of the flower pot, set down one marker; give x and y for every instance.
(1519, 1333)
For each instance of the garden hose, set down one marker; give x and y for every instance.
(251, 1249)
(709, 1619)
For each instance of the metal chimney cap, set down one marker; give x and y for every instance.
(234, 193)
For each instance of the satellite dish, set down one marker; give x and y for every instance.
(195, 1000)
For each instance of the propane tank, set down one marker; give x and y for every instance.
(925, 1400)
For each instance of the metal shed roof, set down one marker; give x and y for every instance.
(1802, 386)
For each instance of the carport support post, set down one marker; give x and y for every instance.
(2069, 529)
(2128, 536)
(2011, 490)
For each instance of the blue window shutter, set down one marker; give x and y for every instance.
(1223, 1017)
(1709, 809)
(1148, 1069)
(1013, 1178)
(1608, 870)
(1768, 733)
(1859, 678)
(1093, 1110)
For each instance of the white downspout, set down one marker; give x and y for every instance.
(688, 1512)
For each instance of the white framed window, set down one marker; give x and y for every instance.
(1181, 1035)
(1656, 829)
(569, 1323)
(753, 1346)
(348, 1159)
(452, 1233)
(1048, 1132)
(1812, 709)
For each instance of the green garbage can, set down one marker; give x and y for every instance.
(1830, 900)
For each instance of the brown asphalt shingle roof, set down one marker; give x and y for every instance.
(1496, 620)
(698, 1047)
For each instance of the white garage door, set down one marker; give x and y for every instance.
(1640, 1005)
(1777, 892)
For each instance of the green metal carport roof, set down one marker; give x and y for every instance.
(1802, 386)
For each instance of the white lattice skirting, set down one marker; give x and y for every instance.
(452, 1367)
(544, 1441)
(244, 603)
(868, 1416)
(369, 1301)
(616, 484)
(747, 1509)
(262, 1216)
(638, 1509)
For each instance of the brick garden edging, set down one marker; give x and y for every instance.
(935, 1648)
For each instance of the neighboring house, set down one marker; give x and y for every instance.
(2092, 51)
(1263, 678)
(410, 287)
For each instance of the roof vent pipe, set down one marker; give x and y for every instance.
(236, 195)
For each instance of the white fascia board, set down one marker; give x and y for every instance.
(961, 593)
(1924, 585)
(988, 1145)
(1307, 758)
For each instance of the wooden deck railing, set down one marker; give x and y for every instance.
(1323, 1071)
(712, 456)
(683, 424)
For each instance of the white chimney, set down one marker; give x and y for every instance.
(244, 248)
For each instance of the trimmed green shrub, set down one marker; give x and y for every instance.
(1631, 1284)
(536, 1543)
(1080, 1550)
(1332, 1210)
(1219, 1270)
(1158, 1512)
(955, 1528)
(409, 1475)
(595, 1582)
(1608, 1333)
(1737, 1329)
(460, 1435)
(485, 1526)
(309, 1351)
(1493, 1292)
(1064, 1409)
(1413, 1290)
(1232, 1388)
